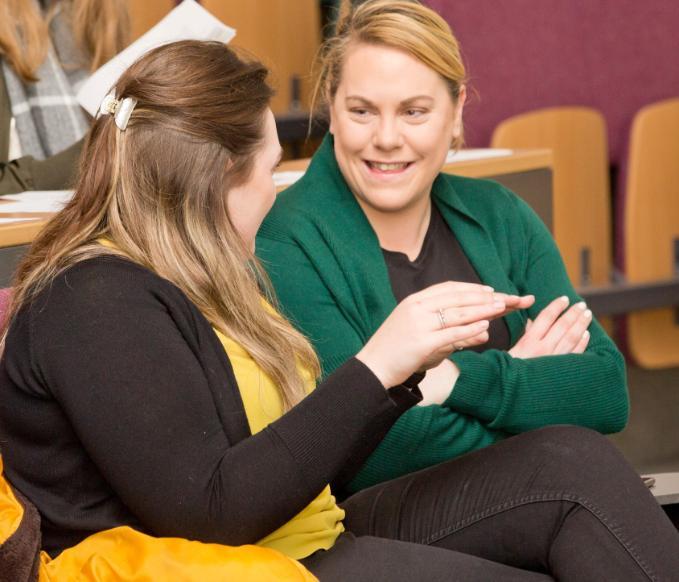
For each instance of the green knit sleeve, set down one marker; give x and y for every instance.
(516, 395)
(424, 435)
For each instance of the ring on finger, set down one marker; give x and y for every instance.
(442, 318)
(458, 348)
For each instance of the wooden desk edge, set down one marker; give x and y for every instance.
(20, 233)
(518, 161)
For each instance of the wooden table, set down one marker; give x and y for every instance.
(526, 172)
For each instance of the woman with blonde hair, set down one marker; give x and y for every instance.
(47, 49)
(375, 219)
(148, 379)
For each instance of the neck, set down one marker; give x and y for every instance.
(402, 231)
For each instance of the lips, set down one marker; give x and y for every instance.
(387, 167)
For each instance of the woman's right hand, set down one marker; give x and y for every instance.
(427, 326)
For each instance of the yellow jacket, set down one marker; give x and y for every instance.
(126, 555)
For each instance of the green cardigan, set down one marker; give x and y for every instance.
(326, 265)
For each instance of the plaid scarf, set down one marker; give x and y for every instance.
(47, 114)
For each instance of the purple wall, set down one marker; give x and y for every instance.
(614, 55)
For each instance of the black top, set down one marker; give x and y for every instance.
(118, 406)
(441, 259)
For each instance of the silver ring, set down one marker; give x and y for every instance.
(442, 318)
(458, 349)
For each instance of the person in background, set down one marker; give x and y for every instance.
(47, 49)
(375, 220)
(149, 380)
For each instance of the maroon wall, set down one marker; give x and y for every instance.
(614, 55)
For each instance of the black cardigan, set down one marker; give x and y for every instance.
(118, 406)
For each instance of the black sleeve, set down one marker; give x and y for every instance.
(137, 397)
(403, 396)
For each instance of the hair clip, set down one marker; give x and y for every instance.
(121, 109)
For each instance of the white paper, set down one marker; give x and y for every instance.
(44, 201)
(188, 21)
(286, 178)
(476, 154)
(40, 196)
(9, 220)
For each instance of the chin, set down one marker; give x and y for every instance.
(390, 202)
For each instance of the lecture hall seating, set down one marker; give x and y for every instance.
(144, 15)
(651, 228)
(581, 192)
(284, 35)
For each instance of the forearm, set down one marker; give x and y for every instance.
(517, 395)
(280, 470)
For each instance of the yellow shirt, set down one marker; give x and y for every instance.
(319, 524)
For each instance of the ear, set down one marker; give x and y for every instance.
(457, 116)
(331, 114)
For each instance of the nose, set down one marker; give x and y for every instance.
(387, 134)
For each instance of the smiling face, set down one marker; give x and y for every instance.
(393, 120)
(250, 202)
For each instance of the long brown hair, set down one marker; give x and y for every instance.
(158, 191)
(405, 25)
(100, 27)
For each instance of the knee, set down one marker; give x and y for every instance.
(572, 447)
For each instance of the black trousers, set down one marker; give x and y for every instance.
(556, 503)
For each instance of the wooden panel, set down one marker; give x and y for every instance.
(284, 35)
(144, 15)
(652, 226)
(581, 195)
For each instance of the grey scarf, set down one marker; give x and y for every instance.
(48, 117)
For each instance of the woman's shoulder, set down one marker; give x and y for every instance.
(296, 209)
(479, 192)
(105, 274)
(485, 200)
(100, 287)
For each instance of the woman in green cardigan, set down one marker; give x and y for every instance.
(374, 220)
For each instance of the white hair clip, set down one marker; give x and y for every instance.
(121, 109)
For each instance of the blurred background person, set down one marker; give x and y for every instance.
(47, 49)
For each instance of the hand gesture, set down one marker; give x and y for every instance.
(557, 330)
(427, 326)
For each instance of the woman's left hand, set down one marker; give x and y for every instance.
(557, 330)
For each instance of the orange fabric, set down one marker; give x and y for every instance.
(11, 510)
(126, 555)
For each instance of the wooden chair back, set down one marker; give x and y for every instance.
(143, 15)
(651, 237)
(284, 35)
(581, 193)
